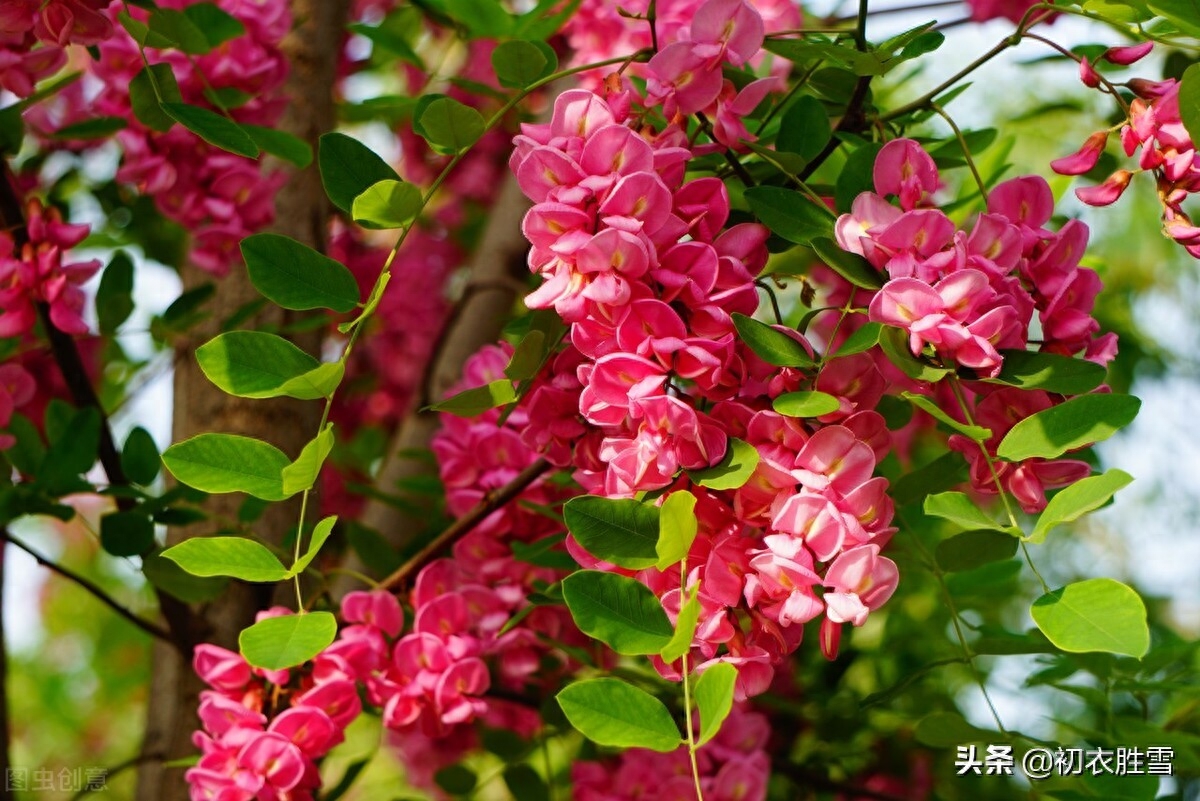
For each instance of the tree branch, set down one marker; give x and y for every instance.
(463, 525)
(153, 629)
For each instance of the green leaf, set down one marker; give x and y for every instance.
(714, 698)
(95, 128)
(741, 459)
(1049, 371)
(677, 528)
(543, 553)
(187, 309)
(349, 168)
(685, 629)
(172, 579)
(806, 404)
(281, 144)
(254, 364)
(139, 457)
(483, 18)
(771, 345)
(519, 64)
(958, 507)
(977, 433)
(1184, 14)
(28, 453)
(525, 783)
(212, 128)
(1080, 421)
(126, 533)
(860, 341)
(789, 213)
(1094, 615)
(1189, 99)
(72, 453)
(456, 780)
(857, 176)
(276, 643)
(218, 463)
(297, 277)
(320, 534)
(320, 382)
(153, 82)
(236, 557)
(622, 531)
(178, 29)
(947, 729)
(894, 343)
(387, 204)
(301, 474)
(804, 128)
(972, 549)
(851, 266)
(383, 36)
(621, 612)
(476, 401)
(527, 357)
(449, 126)
(614, 713)
(114, 297)
(1077, 500)
(217, 26)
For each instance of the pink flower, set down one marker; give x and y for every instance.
(904, 169)
(861, 581)
(1085, 159)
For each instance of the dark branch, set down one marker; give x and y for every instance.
(153, 629)
(461, 527)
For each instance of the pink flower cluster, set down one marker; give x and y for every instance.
(35, 274)
(263, 731)
(733, 767)
(968, 295)
(219, 197)
(1155, 127)
(17, 388)
(34, 35)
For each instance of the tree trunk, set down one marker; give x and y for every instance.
(302, 212)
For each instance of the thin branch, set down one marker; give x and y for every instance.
(490, 503)
(153, 629)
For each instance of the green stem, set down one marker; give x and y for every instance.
(956, 388)
(687, 695)
(962, 143)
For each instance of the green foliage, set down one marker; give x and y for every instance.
(126, 533)
(972, 549)
(806, 403)
(320, 534)
(519, 64)
(387, 204)
(1049, 371)
(677, 527)
(733, 471)
(612, 712)
(772, 346)
(449, 126)
(619, 611)
(477, 400)
(714, 698)
(977, 433)
(140, 458)
(685, 629)
(958, 508)
(219, 463)
(790, 214)
(623, 532)
(297, 277)
(277, 643)
(851, 266)
(255, 364)
(212, 128)
(1077, 500)
(1189, 101)
(1094, 615)
(349, 168)
(805, 128)
(114, 297)
(302, 474)
(235, 557)
(1078, 422)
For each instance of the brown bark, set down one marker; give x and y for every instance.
(302, 213)
(497, 273)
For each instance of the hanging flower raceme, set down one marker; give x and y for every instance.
(1153, 132)
(35, 273)
(35, 33)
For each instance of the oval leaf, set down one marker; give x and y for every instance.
(301, 474)
(1077, 500)
(851, 266)
(958, 507)
(277, 643)
(387, 204)
(320, 533)
(714, 698)
(349, 168)
(614, 713)
(972, 549)
(212, 128)
(476, 401)
(677, 528)
(450, 126)
(623, 531)
(619, 611)
(1078, 422)
(1094, 615)
(789, 213)
(806, 404)
(685, 629)
(297, 277)
(219, 463)
(253, 364)
(741, 459)
(139, 458)
(771, 345)
(126, 533)
(1049, 371)
(519, 64)
(236, 557)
